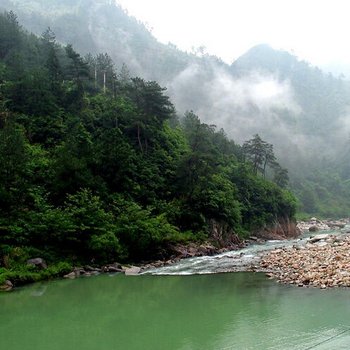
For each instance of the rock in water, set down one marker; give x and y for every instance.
(133, 270)
(317, 238)
(70, 275)
(7, 286)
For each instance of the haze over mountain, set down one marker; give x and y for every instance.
(291, 104)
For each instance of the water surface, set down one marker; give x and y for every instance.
(217, 311)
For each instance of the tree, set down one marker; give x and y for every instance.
(153, 108)
(14, 156)
(10, 33)
(281, 177)
(255, 152)
(77, 69)
(260, 154)
(105, 74)
(52, 62)
(201, 159)
(93, 234)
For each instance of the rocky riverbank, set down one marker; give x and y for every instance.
(323, 262)
(178, 252)
(315, 224)
(175, 253)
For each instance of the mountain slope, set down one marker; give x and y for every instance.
(100, 26)
(295, 106)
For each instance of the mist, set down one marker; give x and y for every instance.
(257, 103)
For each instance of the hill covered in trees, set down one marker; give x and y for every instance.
(96, 166)
(291, 104)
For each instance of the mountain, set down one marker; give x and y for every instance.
(314, 138)
(95, 26)
(318, 102)
(296, 107)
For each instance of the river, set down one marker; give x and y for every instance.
(178, 312)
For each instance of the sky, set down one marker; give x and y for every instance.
(317, 31)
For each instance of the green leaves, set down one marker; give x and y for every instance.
(10, 33)
(96, 168)
(142, 233)
(93, 228)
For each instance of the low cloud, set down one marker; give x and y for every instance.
(256, 103)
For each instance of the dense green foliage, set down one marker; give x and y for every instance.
(96, 166)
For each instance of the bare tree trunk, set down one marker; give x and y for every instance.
(104, 82)
(264, 169)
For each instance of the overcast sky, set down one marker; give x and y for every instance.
(315, 30)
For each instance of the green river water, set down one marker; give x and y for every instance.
(218, 311)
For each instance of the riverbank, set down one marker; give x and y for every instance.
(323, 262)
(315, 224)
(319, 261)
(35, 270)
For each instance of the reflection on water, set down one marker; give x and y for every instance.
(224, 311)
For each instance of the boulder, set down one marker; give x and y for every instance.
(132, 271)
(70, 275)
(6, 286)
(313, 228)
(37, 262)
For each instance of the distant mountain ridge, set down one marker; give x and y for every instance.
(100, 26)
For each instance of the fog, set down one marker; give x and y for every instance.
(255, 103)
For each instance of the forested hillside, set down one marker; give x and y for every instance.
(298, 108)
(96, 166)
(314, 138)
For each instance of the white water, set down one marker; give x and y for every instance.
(237, 260)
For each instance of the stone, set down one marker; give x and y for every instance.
(70, 275)
(38, 262)
(92, 269)
(7, 286)
(79, 271)
(114, 269)
(321, 244)
(319, 237)
(313, 228)
(132, 271)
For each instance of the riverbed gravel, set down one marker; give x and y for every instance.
(323, 262)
